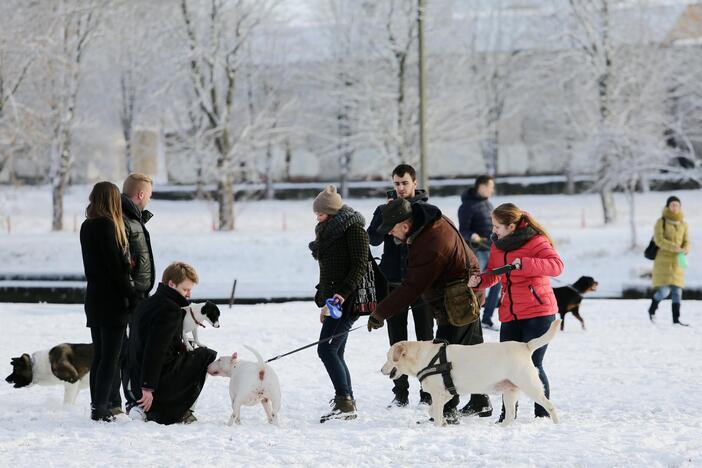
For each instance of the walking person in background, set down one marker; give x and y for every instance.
(394, 266)
(475, 225)
(528, 305)
(136, 195)
(341, 249)
(671, 237)
(105, 250)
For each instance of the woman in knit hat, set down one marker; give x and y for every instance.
(341, 249)
(671, 237)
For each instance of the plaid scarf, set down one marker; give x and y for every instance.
(328, 232)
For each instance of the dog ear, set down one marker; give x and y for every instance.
(234, 356)
(398, 352)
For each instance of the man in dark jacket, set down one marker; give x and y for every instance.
(475, 224)
(165, 379)
(437, 256)
(136, 195)
(393, 265)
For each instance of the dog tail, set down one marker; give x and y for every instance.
(544, 339)
(262, 372)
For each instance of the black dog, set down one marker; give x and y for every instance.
(569, 297)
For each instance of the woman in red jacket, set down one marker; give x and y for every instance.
(528, 304)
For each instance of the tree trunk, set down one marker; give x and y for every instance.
(225, 198)
(128, 151)
(57, 190)
(488, 147)
(609, 209)
(270, 193)
(631, 192)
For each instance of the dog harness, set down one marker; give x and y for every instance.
(443, 367)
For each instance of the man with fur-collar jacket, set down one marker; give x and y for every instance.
(437, 255)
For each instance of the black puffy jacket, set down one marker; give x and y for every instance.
(142, 257)
(474, 217)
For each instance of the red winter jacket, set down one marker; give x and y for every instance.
(527, 292)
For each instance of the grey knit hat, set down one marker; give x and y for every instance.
(328, 201)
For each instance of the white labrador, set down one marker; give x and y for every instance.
(249, 383)
(504, 368)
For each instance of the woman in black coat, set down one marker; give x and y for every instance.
(341, 248)
(103, 242)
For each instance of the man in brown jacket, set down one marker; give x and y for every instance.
(437, 255)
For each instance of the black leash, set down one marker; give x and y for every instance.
(316, 342)
(499, 270)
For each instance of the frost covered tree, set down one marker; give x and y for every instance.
(16, 58)
(626, 120)
(72, 24)
(216, 33)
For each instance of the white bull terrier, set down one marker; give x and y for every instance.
(195, 315)
(249, 383)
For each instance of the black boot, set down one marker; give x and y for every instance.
(478, 405)
(101, 413)
(676, 315)
(652, 310)
(400, 401)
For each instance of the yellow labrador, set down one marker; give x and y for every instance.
(504, 368)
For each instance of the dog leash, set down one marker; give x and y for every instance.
(499, 270)
(316, 342)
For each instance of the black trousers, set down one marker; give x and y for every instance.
(104, 371)
(397, 331)
(467, 335)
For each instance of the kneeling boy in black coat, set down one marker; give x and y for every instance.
(165, 380)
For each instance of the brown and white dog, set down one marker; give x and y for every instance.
(504, 368)
(67, 364)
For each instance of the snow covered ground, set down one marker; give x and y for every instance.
(627, 393)
(268, 252)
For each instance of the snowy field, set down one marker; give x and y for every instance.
(268, 252)
(627, 393)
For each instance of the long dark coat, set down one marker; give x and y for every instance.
(158, 359)
(106, 266)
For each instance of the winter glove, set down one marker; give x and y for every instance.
(374, 322)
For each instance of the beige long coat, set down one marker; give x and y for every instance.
(666, 268)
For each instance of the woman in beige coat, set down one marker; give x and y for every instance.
(670, 235)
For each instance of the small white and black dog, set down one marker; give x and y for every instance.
(249, 383)
(67, 364)
(195, 315)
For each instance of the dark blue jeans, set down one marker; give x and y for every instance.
(523, 331)
(332, 353)
(493, 294)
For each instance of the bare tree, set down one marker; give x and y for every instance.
(216, 36)
(75, 23)
(16, 58)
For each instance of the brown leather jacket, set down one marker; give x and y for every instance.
(437, 255)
